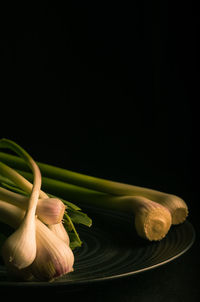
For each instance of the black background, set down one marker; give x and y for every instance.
(109, 90)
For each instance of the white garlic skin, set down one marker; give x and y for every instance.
(60, 231)
(19, 249)
(50, 210)
(54, 258)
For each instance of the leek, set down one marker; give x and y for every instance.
(176, 205)
(152, 220)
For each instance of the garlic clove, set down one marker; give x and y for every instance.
(54, 257)
(19, 249)
(60, 231)
(49, 210)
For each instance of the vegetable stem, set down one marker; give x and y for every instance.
(152, 220)
(175, 204)
(8, 144)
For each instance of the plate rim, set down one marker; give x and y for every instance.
(40, 284)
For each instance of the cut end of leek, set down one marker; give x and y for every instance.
(153, 222)
(179, 215)
(177, 207)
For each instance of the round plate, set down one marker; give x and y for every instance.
(112, 249)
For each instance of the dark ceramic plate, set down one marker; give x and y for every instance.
(111, 249)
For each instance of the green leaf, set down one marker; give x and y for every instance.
(74, 242)
(70, 226)
(79, 217)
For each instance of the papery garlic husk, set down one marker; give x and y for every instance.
(54, 257)
(60, 231)
(50, 210)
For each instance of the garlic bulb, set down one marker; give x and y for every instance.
(12, 215)
(54, 257)
(19, 250)
(49, 210)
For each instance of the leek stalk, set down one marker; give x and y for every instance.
(152, 220)
(176, 205)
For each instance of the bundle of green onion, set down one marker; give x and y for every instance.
(154, 211)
